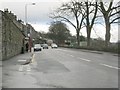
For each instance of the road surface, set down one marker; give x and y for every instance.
(67, 68)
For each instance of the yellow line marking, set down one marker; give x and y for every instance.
(33, 58)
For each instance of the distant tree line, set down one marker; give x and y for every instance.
(60, 34)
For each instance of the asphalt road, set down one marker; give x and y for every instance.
(62, 68)
(73, 68)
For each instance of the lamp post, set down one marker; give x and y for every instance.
(26, 5)
(28, 33)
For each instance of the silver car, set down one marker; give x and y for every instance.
(54, 45)
(45, 46)
(37, 47)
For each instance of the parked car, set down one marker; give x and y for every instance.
(37, 47)
(54, 45)
(41, 45)
(45, 46)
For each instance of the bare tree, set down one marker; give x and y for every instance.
(91, 14)
(69, 13)
(110, 14)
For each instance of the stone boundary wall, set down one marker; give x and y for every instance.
(0, 35)
(12, 37)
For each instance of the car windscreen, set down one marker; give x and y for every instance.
(37, 45)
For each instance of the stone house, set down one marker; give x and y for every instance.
(35, 37)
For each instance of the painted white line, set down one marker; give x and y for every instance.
(21, 60)
(78, 57)
(21, 68)
(28, 68)
(84, 59)
(109, 66)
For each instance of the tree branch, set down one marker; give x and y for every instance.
(102, 7)
(115, 7)
(114, 14)
(96, 9)
(81, 21)
(66, 20)
(114, 20)
(109, 8)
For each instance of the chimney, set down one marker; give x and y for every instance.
(6, 10)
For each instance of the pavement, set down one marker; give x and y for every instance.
(0, 74)
(12, 71)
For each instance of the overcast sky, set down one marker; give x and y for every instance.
(38, 15)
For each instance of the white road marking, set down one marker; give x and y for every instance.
(109, 66)
(28, 68)
(90, 60)
(21, 60)
(84, 59)
(78, 57)
(21, 68)
(24, 67)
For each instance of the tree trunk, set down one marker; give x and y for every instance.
(88, 40)
(78, 38)
(88, 25)
(107, 35)
(88, 36)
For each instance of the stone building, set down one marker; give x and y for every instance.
(35, 37)
(12, 38)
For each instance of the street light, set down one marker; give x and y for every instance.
(28, 34)
(26, 5)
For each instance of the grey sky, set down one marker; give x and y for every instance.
(35, 13)
(38, 15)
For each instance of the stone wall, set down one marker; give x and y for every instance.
(12, 36)
(0, 35)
